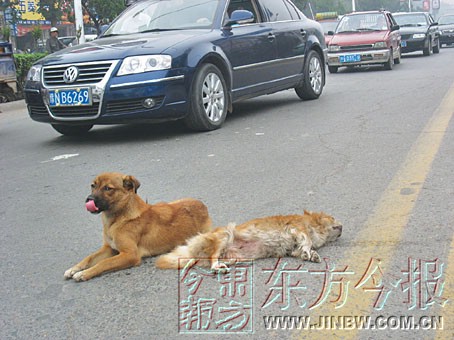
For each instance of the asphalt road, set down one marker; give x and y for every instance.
(375, 151)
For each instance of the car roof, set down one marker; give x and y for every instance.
(409, 13)
(367, 12)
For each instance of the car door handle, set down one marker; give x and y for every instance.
(271, 37)
(303, 33)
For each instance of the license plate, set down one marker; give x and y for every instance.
(70, 97)
(403, 43)
(349, 58)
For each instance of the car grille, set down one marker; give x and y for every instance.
(130, 106)
(89, 73)
(406, 36)
(75, 111)
(37, 110)
(356, 47)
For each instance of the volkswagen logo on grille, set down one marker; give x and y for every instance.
(70, 75)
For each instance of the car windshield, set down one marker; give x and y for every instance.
(411, 20)
(446, 20)
(149, 16)
(362, 22)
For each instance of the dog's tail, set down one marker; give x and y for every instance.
(177, 259)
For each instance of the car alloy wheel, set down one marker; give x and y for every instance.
(314, 75)
(213, 97)
(208, 99)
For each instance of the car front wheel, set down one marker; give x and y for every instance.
(436, 48)
(314, 77)
(427, 51)
(389, 64)
(72, 130)
(208, 99)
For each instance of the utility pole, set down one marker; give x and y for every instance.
(353, 6)
(79, 16)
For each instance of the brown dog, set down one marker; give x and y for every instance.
(275, 236)
(134, 229)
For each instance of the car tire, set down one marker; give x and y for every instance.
(436, 48)
(427, 51)
(397, 60)
(333, 69)
(389, 64)
(72, 130)
(313, 77)
(208, 99)
(7, 95)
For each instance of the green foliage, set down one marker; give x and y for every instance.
(37, 33)
(101, 11)
(51, 10)
(6, 33)
(23, 63)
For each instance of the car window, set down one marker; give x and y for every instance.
(276, 10)
(362, 22)
(164, 15)
(293, 12)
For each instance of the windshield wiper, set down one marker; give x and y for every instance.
(161, 30)
(367, 29)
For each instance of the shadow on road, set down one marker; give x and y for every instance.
(244, 113)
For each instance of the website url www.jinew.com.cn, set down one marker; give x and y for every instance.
(349, 322)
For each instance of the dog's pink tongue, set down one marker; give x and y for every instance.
(91, 206)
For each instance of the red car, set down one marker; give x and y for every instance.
(365, 38)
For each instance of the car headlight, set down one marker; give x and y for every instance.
(333, 48)
(144, 63)
(419, 36)
(34, 73)
(380, 44)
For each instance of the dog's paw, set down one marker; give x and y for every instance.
(69, 274)
(315, 257)
(220, 268)
(80, 276)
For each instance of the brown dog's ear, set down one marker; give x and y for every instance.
(306, 212)
(131, 183)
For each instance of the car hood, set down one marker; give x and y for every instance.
(359, 38)
(446, 27)
(120, 47)
(413, 30)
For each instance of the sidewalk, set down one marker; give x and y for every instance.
(11, 107)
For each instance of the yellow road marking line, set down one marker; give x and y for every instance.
(383, 231)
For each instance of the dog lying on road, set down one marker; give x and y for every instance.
(134, 229)
(275, 236)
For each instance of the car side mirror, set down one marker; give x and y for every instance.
(129, 2)
(395, 27)
(240, 17)
(434, 24)
(330, 32)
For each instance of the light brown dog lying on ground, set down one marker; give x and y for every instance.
(134, 229)
(275, 236)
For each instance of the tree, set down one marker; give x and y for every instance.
(37, 34)
(51, 10)
(102, 11)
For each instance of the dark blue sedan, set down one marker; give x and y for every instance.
(179, 59)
